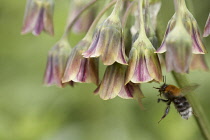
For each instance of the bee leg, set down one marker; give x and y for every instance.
(163, 100)
(166, 111)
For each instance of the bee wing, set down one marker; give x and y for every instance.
(189, 88)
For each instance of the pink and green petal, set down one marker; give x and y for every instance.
(199, 63)
(198, 47)
(153, 65)
(112, 82)
(207, 27)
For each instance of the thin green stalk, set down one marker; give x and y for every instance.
(127, 12)
(95, 22)
(142, 32)
(200, 116)
(117, 7)
(66, 33)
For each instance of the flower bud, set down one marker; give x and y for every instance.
(207, 27)
(80, 69)
(56, 63)
(38, 17)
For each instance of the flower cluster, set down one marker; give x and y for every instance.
(128, 64)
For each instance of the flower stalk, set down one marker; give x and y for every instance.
(68, 29)
(200, 117)
(95, 22)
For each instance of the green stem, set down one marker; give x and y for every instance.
(127, 12)
(142, 32)
(66, 33)
(200, 116)
(95, 22)
(117, 8)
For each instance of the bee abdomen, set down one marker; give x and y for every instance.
(183, 107)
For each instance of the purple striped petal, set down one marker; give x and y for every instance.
(162, 47)
(121, 58)
(198, 62)
(48, 78)
(207, 27)
(31, 14)
(153, 65)
(48, 18)
(127, 91)
(72, 66)
(141, 73)
(131, 65)
(112, 82)
(56, 63)
(39, 26)
(95, 47)
(198, 47)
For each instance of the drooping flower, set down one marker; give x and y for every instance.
(190, 25)
(80, 69)
(108, 40)
(207, 27)
(179, 49)
(199, 63)
(38, 17)
(113, 85)
(143, 64)
(182, 38)
(56, 63)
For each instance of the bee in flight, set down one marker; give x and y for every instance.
(176, 95)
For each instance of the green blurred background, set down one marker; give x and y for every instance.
(31, 111)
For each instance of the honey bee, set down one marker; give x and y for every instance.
(176, 95)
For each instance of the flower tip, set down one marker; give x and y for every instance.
(36, 33)
(23, 32)
(205, 34)
(161, 49)
(65, 80)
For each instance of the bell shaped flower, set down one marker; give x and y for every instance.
(112, 84)
(179, 49)
(56, 63)
(108, 40)
(80, 69)
(199, 63)
(38, 17)
(190, 25)
(143, 63)
(207, 27)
